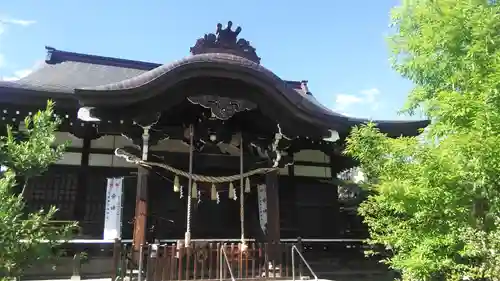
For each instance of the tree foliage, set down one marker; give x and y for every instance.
(27, 238)
(436, 198)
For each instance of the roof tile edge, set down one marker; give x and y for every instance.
(55, 56)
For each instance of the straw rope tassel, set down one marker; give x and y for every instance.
(247, 185)
(213, 192)
(194, 191)
(231, 191)
(177, 185)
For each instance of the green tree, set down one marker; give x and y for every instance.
(27, 238)
(436, 198)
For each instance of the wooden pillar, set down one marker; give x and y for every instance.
(292, 188)
(141, 208)
(141, 199)
(82, 182)
(273, 213)
(337, 165)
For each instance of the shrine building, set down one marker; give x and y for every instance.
(256, 153)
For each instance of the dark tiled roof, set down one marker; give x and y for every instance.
(65, 71)
(62, 72)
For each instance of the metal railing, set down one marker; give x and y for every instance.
(140, 265)
(295, 249)
(223, 256)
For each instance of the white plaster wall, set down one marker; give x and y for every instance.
(62, 137)
(112, 142)
(312, 156)
(315, 156)
(69, 158)
(171, 146)
(103, 160)
(107, 160)
(313, 172)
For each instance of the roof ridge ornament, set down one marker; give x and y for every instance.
(225, 40)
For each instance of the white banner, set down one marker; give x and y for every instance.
(113, 209)
(262, 201)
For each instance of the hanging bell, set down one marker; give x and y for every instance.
(177, 185)
(194, 191)
(247, 185)
(213, 193)
(232, 194)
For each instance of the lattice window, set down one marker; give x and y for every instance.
(95, 203)
(54, 188)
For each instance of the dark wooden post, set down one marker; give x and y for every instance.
(81, 189)
(300, 247)
(141, 209)
(117, 254)
(141, 205)
(338, 163)
(141, 200)
(77, 266)
(273, 214)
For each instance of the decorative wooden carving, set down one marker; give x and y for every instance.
(273, 149)
(148, 119)
(225, 41)
(221, 107)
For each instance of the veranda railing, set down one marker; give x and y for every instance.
(207, 261)
(168, 261)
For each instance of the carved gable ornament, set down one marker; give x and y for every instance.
(225, 41)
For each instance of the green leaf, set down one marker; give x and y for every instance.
(28, 238)
(435, 198)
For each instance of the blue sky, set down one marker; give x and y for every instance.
(338, 46)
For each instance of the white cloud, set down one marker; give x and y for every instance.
(11, 21)
(368, 97)
(343, 101)
(370, 94)
(5, 22)
(19, 74)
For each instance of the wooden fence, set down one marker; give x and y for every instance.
(205, 261)
(168, 260)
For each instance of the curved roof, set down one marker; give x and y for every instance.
(96, 80)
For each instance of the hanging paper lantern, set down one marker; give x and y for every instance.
(232, 193)
(247, 185)
(177, 186)
(213, 192)
(194, 191)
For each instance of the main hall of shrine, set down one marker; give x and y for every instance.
(208, 146)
